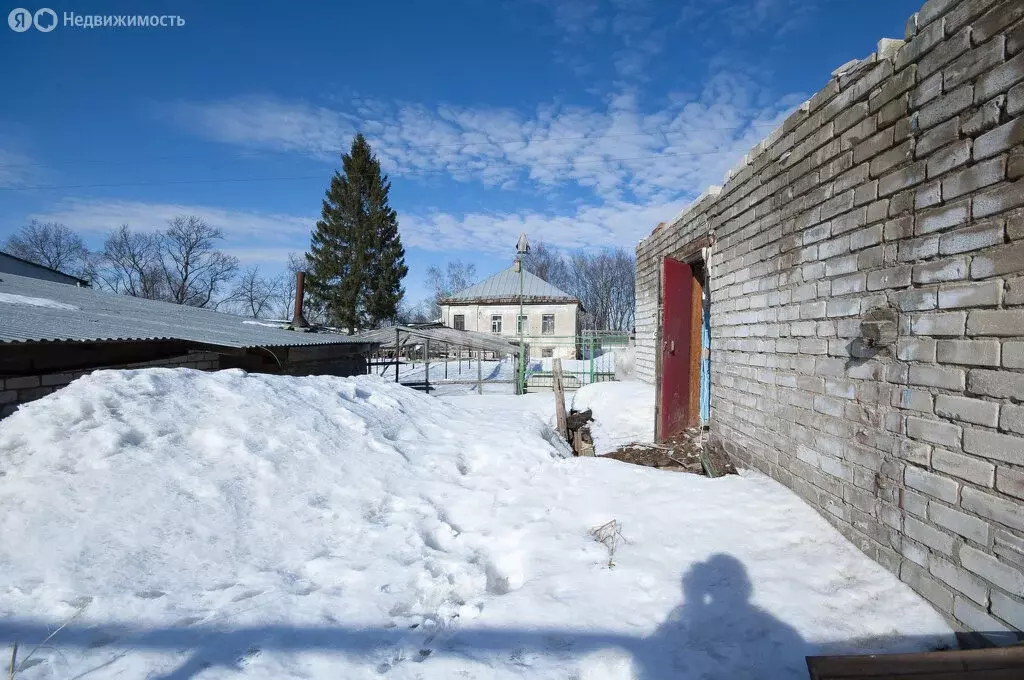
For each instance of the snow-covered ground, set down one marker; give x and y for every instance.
(225, 525)
(498, 376)
(623, 413)
(604, 363)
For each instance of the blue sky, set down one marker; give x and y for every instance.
(581, 122)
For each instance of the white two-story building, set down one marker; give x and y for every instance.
(550, 320)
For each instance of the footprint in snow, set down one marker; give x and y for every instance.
(246, 595)
(224, 585)
(248, 656)
(188, 621)
(102, 640)
(303, 590)
(132, 437)
(150, 594)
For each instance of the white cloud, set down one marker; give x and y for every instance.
(617, 151)
(17, 169)
(613, 224)
(711, 20)
(266, 122)
(635, 30)
(268, 238)
(576, 18)
(98, 217)
(253, 237)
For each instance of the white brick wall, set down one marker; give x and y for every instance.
(899, 186)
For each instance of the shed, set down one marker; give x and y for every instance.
(52, 333)
(11, 264)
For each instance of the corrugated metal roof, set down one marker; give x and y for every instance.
(33, 310)
(440, 334)
(505, 285)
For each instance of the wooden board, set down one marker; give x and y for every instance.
(696, 348)
(1000, 663)
(559, 390)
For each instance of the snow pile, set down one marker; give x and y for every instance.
(623, 413)
(269, 323)
(219, 525)
(12, 299)
(497, 375)
(625, 363)
(602, 363)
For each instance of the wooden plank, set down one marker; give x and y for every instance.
(983, 674)
(580, 445)
(696, 318)
(563, 428)
(975, 664)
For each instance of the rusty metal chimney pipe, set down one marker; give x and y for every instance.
(298, 320)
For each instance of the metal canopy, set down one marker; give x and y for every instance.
(387, 338)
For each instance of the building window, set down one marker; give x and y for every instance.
(547, 352)
(521, 324)
(496, 323)
(459, 322)
(547, 324)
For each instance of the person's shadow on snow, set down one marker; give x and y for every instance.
(717, 633)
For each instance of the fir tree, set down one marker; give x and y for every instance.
(356, 258)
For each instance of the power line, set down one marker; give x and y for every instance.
(529, 142)
(438, 171)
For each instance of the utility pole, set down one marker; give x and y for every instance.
(522, 248)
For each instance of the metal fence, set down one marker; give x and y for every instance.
(586, 359)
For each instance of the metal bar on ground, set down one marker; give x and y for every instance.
(398, 334)
(563, 428)
(473, 382)
(479, 374)
(426, 361)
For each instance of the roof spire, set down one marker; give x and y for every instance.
(523, 245)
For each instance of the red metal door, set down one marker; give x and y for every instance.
(676, 332)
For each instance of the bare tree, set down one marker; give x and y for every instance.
(285, 300)
(601, 279)
(130, 264)
(415, 313)
(254, 295)
(457, 275)
(622, 302)
(548, 264)
(52, 245)
(194, 270)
